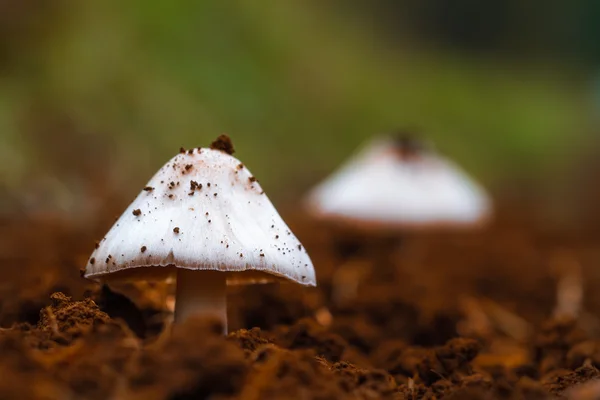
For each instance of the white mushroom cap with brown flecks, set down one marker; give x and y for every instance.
(203, 210)
(387, 185)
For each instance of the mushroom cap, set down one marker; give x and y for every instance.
(388, 186)
(203, 210)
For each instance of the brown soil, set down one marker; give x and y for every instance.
(505, 313)
(223, 143)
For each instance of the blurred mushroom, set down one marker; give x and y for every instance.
(400, 183)
(205, 218)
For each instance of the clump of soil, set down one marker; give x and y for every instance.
(65, 320)
(223, 143)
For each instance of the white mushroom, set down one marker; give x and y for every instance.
(390, 183)
(205, 218)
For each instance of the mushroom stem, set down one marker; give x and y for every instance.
(201, 293)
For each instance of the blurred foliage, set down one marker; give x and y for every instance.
(105, 90)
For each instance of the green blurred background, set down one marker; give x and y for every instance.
(96, 95)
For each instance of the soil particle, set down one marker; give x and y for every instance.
(137, 212)
(148, 188)
(176, 229)
(224, 144)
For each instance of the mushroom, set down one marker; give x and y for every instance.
(399, 184)
(207, 221)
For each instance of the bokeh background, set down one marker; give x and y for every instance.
(96, 95)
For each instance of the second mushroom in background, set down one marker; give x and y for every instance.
(205, 219)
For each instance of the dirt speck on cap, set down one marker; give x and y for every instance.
(137, 212)
(182, 150)
(408, 144)
(176, 229)
(223, 143)
(148, 188)
(143, 249)
(195, 185)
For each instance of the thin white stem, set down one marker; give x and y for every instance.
(201, 293)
